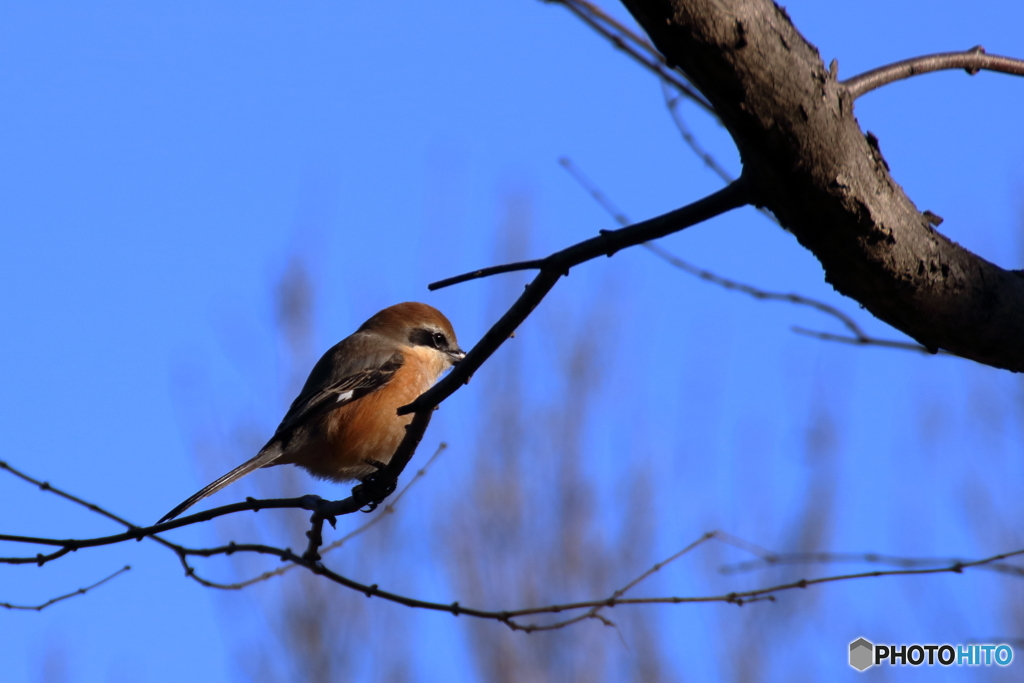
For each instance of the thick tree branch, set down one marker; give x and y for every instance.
(808, 161)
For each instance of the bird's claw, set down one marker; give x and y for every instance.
(373, 488)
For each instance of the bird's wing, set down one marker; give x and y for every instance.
(354, 367)
(318, 399)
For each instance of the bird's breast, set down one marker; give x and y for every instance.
(369, 429)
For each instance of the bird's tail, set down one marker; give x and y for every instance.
(270, 453)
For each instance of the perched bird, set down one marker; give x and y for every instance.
(344, 424)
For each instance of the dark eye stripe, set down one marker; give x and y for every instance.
(431, 338)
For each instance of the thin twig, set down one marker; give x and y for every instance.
(770, 560)
(363, 495)
(609, 242)
(601, 15)
(642, 51)
(510, 617)
(869, 341)
(602, 199)
(860, 337)
(972, 61)
(177, 549)
(80, 591)
(45, 486)
(760, 294)
(560, 263)
(672, 103)
(137, 533)
(595, 192)
(92, 507)
(593, 612)
(535, 264)
(376, 519)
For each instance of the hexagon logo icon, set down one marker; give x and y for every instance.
(862, 654)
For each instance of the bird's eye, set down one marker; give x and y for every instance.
(424, 337)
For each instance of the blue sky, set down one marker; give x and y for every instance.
(162, 164)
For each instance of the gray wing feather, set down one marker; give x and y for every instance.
(352, 368)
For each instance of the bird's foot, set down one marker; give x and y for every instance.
(374, 487)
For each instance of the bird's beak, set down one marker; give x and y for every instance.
(455, 355)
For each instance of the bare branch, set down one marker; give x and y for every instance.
(860, 337)
(509, 617)
(592, 613)
(80, 591)
(972, 61)
(92, 507)
(137, 533)
(635, 46)
(591, 188)
(535, 264)
(810, 163)
(672, 103)
(777, 559)
(363, 495)
(386, 510)
(45, 486)
(869, 341)
(375, 488)
(760, 294)
(560, 263)
(609, 242)
(326, 509)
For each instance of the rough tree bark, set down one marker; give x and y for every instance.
(806, 159)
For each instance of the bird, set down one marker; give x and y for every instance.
(344, 424)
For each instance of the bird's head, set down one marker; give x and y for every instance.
(415, 324)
